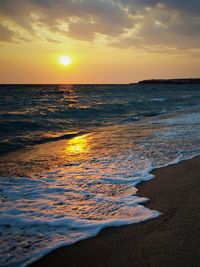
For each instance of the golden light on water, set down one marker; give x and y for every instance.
(77, 146)
(65, 60)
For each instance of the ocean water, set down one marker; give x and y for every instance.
(71, 157)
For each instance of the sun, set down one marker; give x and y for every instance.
(65, 60)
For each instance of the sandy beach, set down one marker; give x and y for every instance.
(173, 239)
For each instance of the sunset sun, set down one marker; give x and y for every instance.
(65, 60)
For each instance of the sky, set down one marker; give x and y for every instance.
(108, 41)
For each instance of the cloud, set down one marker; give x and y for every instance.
(6, 35)
(180, 5)
(126, 23)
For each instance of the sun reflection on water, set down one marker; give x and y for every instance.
(77, 146)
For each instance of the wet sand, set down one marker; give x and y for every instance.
(171, 240)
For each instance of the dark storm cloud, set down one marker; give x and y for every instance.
(148, 22)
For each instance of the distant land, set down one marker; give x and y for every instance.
(171, 81)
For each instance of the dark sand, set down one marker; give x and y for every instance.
(173, 239)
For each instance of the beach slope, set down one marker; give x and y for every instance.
(173, 239)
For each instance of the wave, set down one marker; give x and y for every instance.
(14, 144)
(18, 126)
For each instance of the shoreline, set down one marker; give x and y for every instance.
(173, 239)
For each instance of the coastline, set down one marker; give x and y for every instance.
(173, 239)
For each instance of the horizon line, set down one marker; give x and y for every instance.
(128, 83)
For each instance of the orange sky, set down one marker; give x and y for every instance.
(109, 41)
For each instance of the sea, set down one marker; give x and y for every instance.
(72, 156)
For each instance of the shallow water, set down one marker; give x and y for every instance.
(59, 192)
